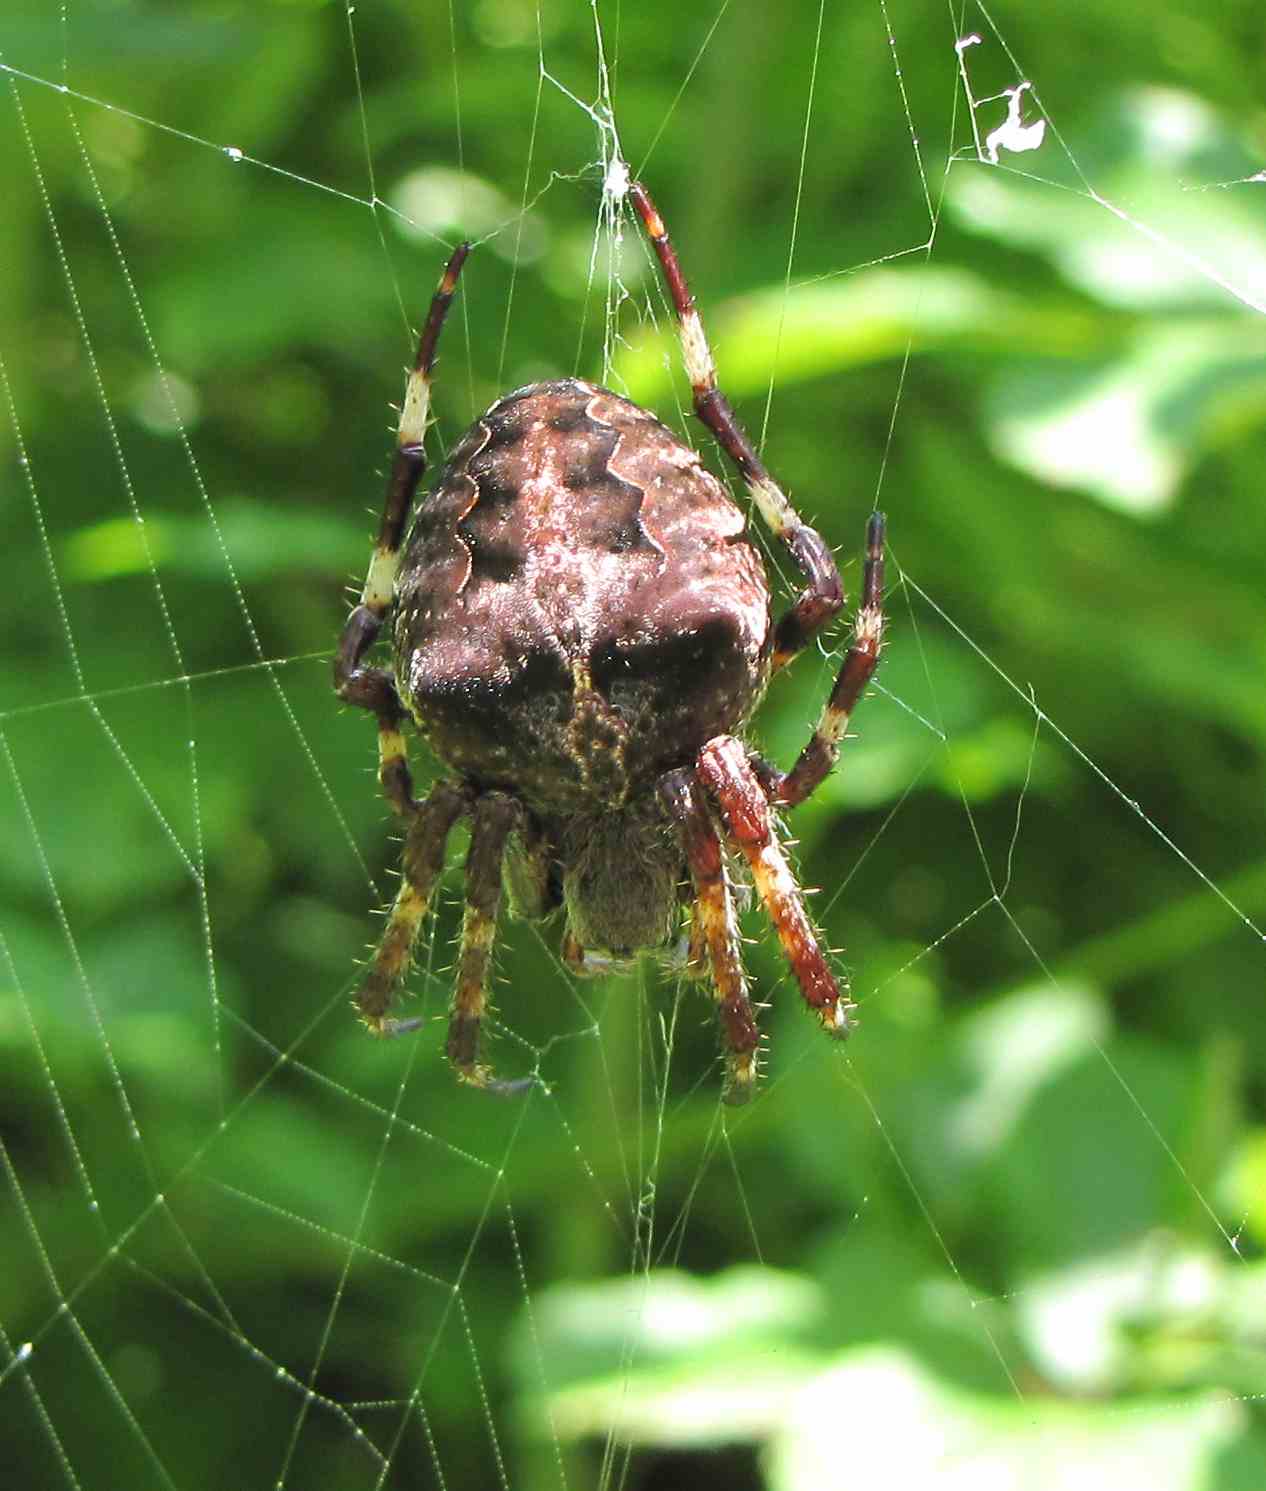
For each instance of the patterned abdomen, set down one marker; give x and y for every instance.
(578, 609)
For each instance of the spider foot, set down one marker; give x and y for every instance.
(470, 1073)
(741, 1076)
(473, 1074)
(387, 1027)
(478, 1076)
(839, 1017)
(584, 962)
(371, 1005)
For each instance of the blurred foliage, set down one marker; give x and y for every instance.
(1014, 1231)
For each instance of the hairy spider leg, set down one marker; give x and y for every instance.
(494, 817)
(856, 671)
(696, 960)
(717, 925)
(735, 788)
(528, 871)
(823, 597)
(421, 863)
(374, 688)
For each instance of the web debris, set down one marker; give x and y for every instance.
(616, 177)
(1012, 134)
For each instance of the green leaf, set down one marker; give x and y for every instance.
(669, 1359)
(1127, 429)
(258, 539)
(877, 1419)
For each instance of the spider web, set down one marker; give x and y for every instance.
(246, 1246)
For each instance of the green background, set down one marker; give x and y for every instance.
(1015, 1229)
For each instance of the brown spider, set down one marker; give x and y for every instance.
(580, 626)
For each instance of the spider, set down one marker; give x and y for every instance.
(580, 627)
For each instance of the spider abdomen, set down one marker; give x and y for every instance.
(577, 610)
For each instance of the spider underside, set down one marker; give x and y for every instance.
(580, 627)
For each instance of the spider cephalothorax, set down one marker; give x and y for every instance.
(580, 626)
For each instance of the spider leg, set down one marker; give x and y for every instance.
(736, 790)
(856, 671)
(716, 924)
(824, 595)
(494, 817)
(690, 956)
(529, 866)
(422, 862)
(583, 962)
(374, 688)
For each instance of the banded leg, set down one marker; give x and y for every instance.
(691, 960)
(856, 671)
(493, 818)
(734, 786)
(823, 596)
(421, 863)
(373, 688)
(715, 922)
